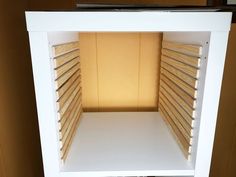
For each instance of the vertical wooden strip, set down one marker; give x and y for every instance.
(150, 51)
(89, 71)
(118, 55)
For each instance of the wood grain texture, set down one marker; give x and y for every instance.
(191, 71)
(65, 148)
(68, 102)
(89, 71)
(123, 63)
(186, 78)
(178, 121)
(189, 60)
(64, 48)
(149, 66)
(61, 60)
(186, 149)
(63, 119)
(189, 119)
(61, 80)
(177, 117)
(183, 104)
(68, 92)
(180, 65)
(188, 49)
(183, 85)
(66, 67)
(118, 70)
(62, 101)
(188, 99)
(65, 131)
(67, 85)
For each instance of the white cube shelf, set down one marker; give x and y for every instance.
(128, 143)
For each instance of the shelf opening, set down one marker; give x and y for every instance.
(127, 101)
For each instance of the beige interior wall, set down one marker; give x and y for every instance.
(120, 71)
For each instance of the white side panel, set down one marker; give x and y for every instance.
(45, 97)
(212, 64)
(128, 21)
(210, 102)
(56, 38)
(199, 38)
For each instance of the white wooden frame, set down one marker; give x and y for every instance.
(40, 23)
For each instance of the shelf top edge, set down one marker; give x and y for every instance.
(128, 21)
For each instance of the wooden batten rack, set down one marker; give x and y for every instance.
(180, 65)
(66, 63)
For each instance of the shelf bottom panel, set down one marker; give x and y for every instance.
(127, 144)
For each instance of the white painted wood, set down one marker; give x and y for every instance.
(128, 21)
(199, 38)
(56, 38)
(45, 97)
(125, 144)
(212, 64)
(39, 24)
(210, 102)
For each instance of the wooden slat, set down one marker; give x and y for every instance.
(185, 115)
(61, 91)
(65, 120)
(188, 79)
(188, 99)
(172, 116)
(188, 89)
(185, 106)
(186, 129)
(61, 80)
(65, 148)
(193, 50)
(61, 102)
(69, 111)
(66, 67)
(68, 102)
(189, 60)
(64, 48)
(185, 147)
(61, 60)
(64, 132)
(191, 71)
